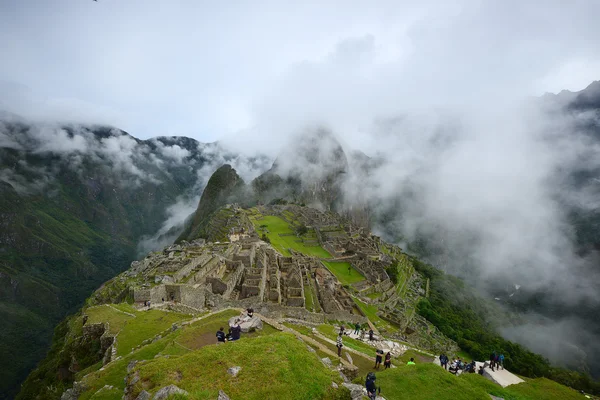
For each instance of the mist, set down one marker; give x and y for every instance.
(443, 96)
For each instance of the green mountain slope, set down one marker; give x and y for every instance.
(195, 288)
(75, 202)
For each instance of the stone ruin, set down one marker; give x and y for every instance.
(245, 271)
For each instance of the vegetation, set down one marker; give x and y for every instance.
(465, 318)
(283, 237)
(276, 366)
(427, 381)
(344, 272)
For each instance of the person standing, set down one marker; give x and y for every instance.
(371, 338)
(501, 360)
(444, 361)
(388, 360)
(339, 344)
(356, 328)
(370, 386)
(378, 358)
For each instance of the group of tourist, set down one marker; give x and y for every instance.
(235, 331)
(457, 366)
(496, 360)
(360, 331)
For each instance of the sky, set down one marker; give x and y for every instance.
(232, 69)
(437, 90)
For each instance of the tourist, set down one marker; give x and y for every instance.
(356, 328)
(370, 386)
(453, 367)
(411, 362)
(501, 360)
(388, 360)
(220, 336)
(371, 338)
(342, 329)
(363, 332)
(444, 361)
(339, 344)
(472, 367)
(480, 370)
(378, 358)
(235, 332)
(492, 360)
(250, 312)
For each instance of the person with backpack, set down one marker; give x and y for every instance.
(339, 344)
(501, 360)
(220, 336)
(444, 361)
(371, 387)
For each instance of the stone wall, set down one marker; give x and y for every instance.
(193, 297)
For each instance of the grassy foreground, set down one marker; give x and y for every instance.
(429, 381)
(277, 366)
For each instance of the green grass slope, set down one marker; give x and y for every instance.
(429, 381)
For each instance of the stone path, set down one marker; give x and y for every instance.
(502, 377)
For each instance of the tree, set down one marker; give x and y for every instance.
(301, 230)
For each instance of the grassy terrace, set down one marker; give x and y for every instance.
(371, 312)
(427, 381)
(276, 366)
(274, 227)
(133, 330)
(344, 272)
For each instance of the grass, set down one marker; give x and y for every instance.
(428, 381)
(277, 366)
(371, 312)
(116, 320)
(114, 374)
(275, 226)
(344, 272)
(145, 326)
(202, 332)
(133, 330)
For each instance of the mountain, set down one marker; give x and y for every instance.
(77, 204)
(311, 170)
(300, 286)
(224, 186)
